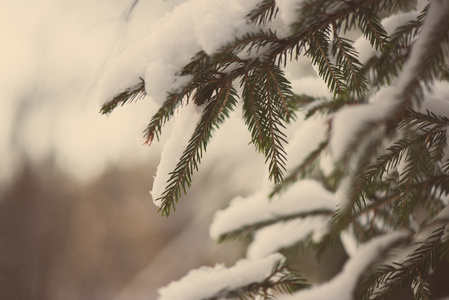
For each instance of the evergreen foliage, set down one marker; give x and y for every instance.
(393, 173)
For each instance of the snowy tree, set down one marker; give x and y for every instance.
(361, 160)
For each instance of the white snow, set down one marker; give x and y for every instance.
(272, 238)
(183, 128)
(438, 12)
(312, 86)
(304, 196)
(364, 49)
(437, 100)
(349, 242)
(390, 24)
(342, 194)
(289, 10)
(172, 41)
(421, 4)
(343, 285)
(205, 282)
(306, 139)
(348, 121)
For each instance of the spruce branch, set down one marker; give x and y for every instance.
(390, 279)
(385, 186)
(426, 56)
(360, 153)
(326, 106)
(383, 69)
(317, 51)
(281, 279)
(388, 161)
(314, 17)
(417, 121)
(372, 29)
(273, 149)
(421, 288)
(251, 43)
(248, 230)
(378, 205)
(437, 185)
(216, 111)
(301, 171)
(165, 112)
(208, 76)
(283, 95)
(268, 104)
(263, 13)
(346, 57)
(131, 94)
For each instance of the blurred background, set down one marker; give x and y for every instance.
(76, 218)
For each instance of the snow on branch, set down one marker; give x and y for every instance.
(346, 133)
(343, 285)
(422, 253)
(219, 282)
(192, 26)
(304, 197)
(372, 124)
(281, 235)
(185, 122)
(420, 67)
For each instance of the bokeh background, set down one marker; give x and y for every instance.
(76, 218)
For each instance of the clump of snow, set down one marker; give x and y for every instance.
(312, 86)
(437, 15)
(343, 285)
(307, 139)
(289, 10)
(302, 197)
(393, 22)
(183, 128)
(364, 49)
(220, 22)
(421, 4)
(349, 242)
(439, 94)
(342, 195)
(390, 24)
(191, 27)
(348, 121)
(285, 234)
(206, 282)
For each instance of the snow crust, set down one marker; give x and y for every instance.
(343, 285)
(184, 125)
(172, 41)
(204, 282)
(304, 196)
(284, 234)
